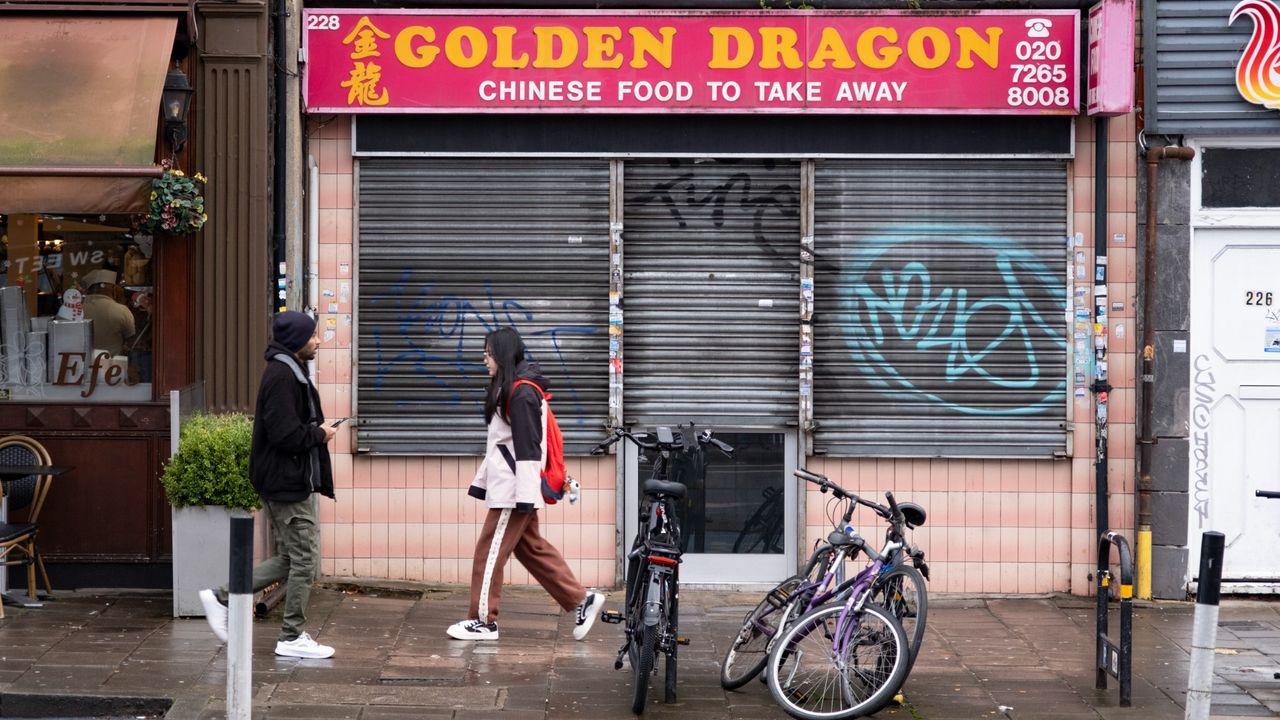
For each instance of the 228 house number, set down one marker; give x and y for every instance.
(1258, 297)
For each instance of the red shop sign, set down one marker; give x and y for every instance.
(422, 61)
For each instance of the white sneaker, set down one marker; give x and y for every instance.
(586, 614)
(473, 630)
(216, 613)
(303, 647)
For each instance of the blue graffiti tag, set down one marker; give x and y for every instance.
(430, 334)
(1010, 336)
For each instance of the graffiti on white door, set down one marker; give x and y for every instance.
(1235, 398)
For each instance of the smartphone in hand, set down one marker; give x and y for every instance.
(338, 422)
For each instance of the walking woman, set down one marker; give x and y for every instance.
(509, 482)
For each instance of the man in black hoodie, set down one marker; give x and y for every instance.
(288, 464)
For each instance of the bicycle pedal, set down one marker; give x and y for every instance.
(681, 640)
(617, 664)
(613, 617)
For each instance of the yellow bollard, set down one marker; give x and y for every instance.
(1143, 565)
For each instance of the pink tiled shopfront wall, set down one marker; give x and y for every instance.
(995, 526)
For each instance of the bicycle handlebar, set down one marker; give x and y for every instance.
(897, 518)
(841, 494)
(893, 513)
(1268, 493)
(616, 435)
(655, 441)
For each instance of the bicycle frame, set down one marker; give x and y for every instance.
(858, 590)
(657, 550)
(858, 587)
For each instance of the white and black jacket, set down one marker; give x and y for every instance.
(516, 451)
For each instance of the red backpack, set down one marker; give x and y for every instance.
(555, 481)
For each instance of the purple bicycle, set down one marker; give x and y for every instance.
(843, 659)
(900, 587)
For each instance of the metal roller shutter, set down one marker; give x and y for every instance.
(450, 249)
(1191, 53)
(711, 306)
(940, 308)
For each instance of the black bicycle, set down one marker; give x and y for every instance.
(652, 606)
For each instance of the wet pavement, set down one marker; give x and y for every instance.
(120, 654)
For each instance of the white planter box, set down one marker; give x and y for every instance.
(201, 554)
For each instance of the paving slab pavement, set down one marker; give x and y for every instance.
(120, 654)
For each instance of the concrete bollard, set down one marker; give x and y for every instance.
(1204, 631)
(240, 621)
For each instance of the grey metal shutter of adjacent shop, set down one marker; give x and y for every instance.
(940, 324)
(711, 292)
(451, 248)
(1194, 52)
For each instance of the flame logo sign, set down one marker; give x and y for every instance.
(1258, 72)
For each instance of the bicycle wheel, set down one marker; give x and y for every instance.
(749, 651)
(643, 646)
(902, 592)
(821, 669)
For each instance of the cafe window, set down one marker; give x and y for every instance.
(76, 308)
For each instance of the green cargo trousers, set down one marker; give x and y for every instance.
(297, 534)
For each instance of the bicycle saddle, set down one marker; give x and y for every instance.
(912, 513)
(663, 487)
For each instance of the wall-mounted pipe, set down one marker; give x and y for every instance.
(278, 177)
(313, 248)
(313, 235)
(1146, 443)
(1101, 388)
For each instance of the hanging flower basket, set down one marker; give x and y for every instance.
(177, 204)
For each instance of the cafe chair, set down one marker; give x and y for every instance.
(25, 496)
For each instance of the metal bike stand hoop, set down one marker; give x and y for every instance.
(1115, 659)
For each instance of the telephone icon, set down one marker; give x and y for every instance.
(1039, 27)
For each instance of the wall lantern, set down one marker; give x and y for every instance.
(175, 101)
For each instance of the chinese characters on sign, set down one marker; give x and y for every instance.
(1000, 62)
(363, 81)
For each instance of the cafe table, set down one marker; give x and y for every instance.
(9, 473)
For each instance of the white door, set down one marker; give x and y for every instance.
(1235, 399)
(738, 519)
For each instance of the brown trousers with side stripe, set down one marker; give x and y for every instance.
(507, 532)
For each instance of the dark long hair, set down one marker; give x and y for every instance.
(507, 350)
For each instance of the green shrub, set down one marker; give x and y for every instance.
(212, 464)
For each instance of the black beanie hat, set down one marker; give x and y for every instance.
(292, 329)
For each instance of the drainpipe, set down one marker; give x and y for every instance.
(313, 248)
(278, 178)
(313, 235)
(1101, 388)
(294, 157)
(1146, 443)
